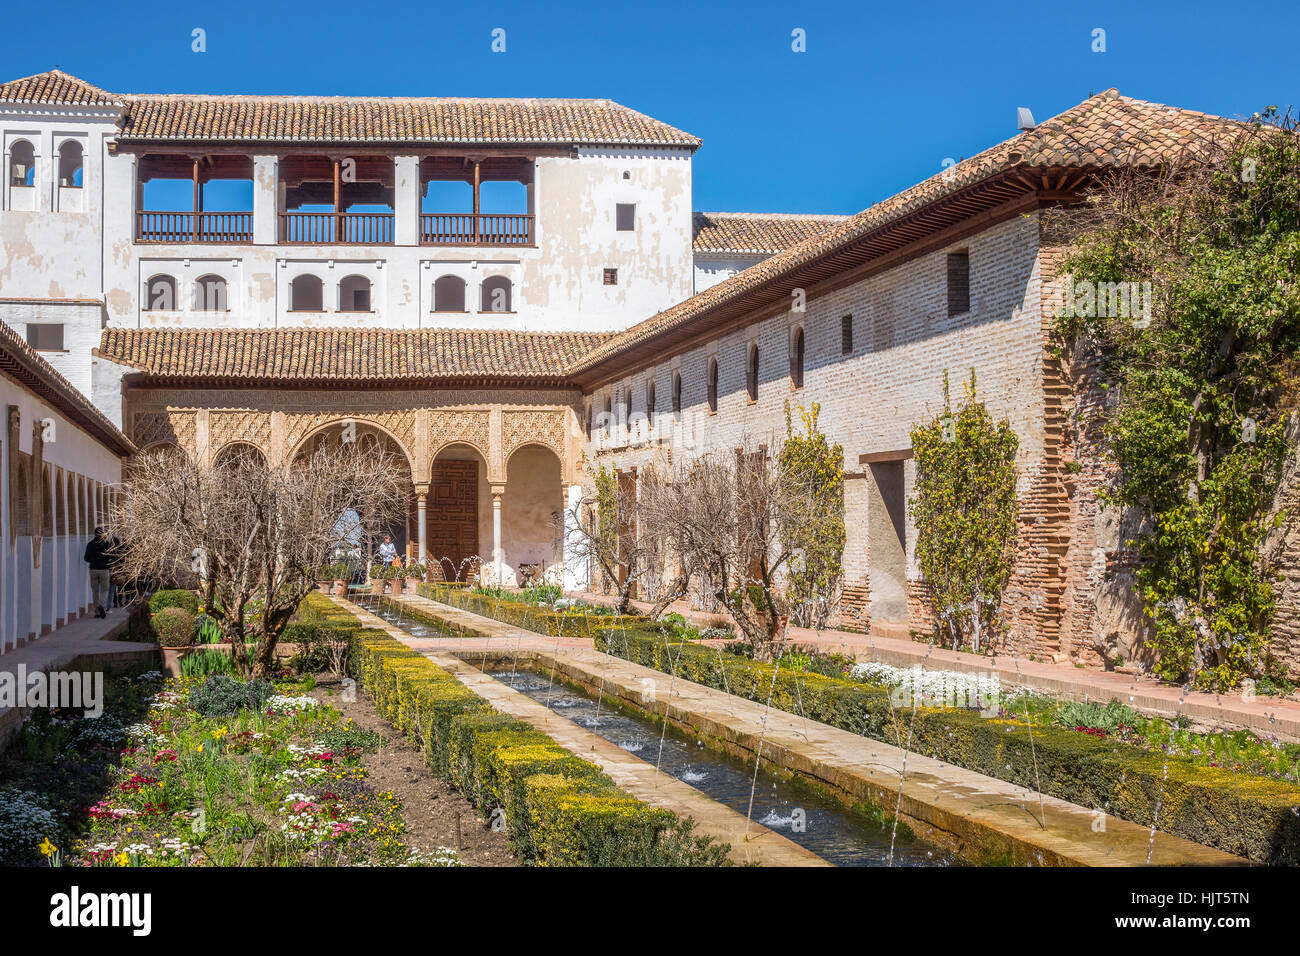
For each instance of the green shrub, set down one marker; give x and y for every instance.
(174, 627)
(1092, 716)
(558, 809)
(206, 662)
(176, 597)
(509, 609)
(1238, 813)
(220, 695)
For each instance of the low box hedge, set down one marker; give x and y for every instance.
(520, 614)
(174, 597)
(1248, 815)
(559, 809)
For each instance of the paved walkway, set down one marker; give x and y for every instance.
(965, 811)
(83, 644)
(750, 843)
(1266, 716)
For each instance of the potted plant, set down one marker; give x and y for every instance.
(378, 575)
(323, 579)
(339, 575)
(414, 577)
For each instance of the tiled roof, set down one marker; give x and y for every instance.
(356, 119)
(55, 87)
(24, 364)
(393, 119)
(1105, 131)
(351, 356)
(755, 233)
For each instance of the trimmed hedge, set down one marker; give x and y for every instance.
(175, 597)
(1243, 814)
(519, 614)
(560, 810)
(174, 627)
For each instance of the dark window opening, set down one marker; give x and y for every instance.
(796, 358)
(846, 334)
(306, 294)
(45, 337)
(713, 385)
(354, 294)
(449, 294)
(751, 374)
(958, 283)
(611, 277)
(496, 295)
(677, 392)
(625, 214)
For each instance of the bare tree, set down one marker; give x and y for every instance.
(253, 536)
(729, 518)
(606, 529)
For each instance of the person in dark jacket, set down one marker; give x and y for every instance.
(99, 556)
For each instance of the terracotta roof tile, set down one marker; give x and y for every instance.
(23, 363)
(55, 86)
(346, 355)
(755, 233)
(1106, 130)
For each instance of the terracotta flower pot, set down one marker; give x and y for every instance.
(413, 585)
(340, 587)
(376, 586)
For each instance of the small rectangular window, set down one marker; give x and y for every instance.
(846, 334)
(46, 337)
(611, 277)
(958, 283)
(625, 213)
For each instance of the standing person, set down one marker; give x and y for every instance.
(388, 551)
(99, 556)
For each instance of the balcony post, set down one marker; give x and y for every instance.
(266, 203)
(338, 213)
(406, 200)
(197, 210)
(477, 181)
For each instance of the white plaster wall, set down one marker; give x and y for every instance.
(34, 600)
(710, 270)
(82, 324)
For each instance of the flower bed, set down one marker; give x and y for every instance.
(557, 809)
(570, 620)
(275, 780)
(1239, 813)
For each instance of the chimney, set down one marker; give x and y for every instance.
(1024, 118)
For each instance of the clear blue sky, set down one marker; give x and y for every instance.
(884, 93)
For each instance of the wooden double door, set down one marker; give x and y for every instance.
(451, 516)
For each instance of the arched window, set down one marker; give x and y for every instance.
(160, 294)
(496, 295)
(210, 294)
(713, 385)
(796, 357)
(22, 164)
(449, 294)
(627, 407)
(71, 160)
(751, 373)
(354, 294)
(586, 413)
(306, 294)
(677, 393)
(650, 402)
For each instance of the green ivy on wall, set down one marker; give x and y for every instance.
(966, 516)
(809, 460)
(1185, 282)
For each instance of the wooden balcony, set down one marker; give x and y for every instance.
(210, 227)
(466, 229)
(345, 228)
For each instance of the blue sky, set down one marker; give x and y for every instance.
(883, 94)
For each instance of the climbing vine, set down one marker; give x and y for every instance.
(809, 461)
(966, 516)
(1184, 283)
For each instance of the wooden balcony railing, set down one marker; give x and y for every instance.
(187, 227)
(347, 228)
(464, 229)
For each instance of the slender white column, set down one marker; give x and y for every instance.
(266, 200)
(497, 552)
(575, 569)
(406, 200)
(422, 521)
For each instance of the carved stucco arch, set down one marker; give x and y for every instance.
(322, 425)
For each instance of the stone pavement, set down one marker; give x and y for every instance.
(1266, 716)
(83, 644)
(974, 815)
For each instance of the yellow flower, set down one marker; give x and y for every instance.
(47, 848)
(122, 859)
(218, 734)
